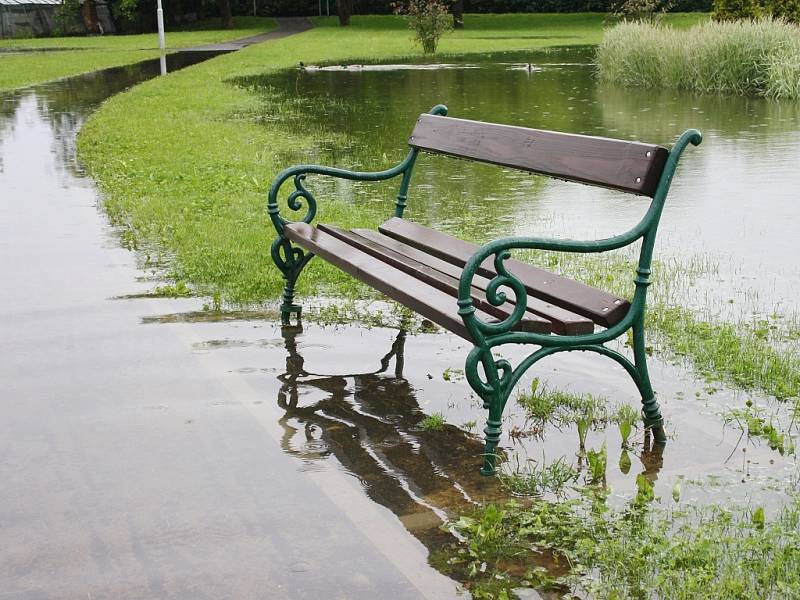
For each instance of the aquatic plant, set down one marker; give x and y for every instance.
(597, 461)
(626, 417)
(758, 57)
(635, 551)
(536, 479)
(434, 422)
(548, 405)
(752, 421)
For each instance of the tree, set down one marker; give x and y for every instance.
(225, 14)
(458, 14)
(345, 9)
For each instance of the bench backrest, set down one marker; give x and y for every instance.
(617, 164)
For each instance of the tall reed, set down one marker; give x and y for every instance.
(760, 57)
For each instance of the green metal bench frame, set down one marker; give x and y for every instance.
(499, 377)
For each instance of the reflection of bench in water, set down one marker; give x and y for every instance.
(370, 422)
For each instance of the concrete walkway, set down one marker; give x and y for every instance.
(286, 27)
(140, 459)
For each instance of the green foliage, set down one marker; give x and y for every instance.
(626, 418)
(598, 461)
(735, 10)
(754, 423)
(644, 490)
(638, 551)
(434, 422)
(546, 405)
(641, 10)
(429, 19)
(784, 9)
(760, 57)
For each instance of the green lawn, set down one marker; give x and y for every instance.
(84, 54)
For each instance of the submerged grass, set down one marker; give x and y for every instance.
(741, 57)
(641, 551)
(78, 55)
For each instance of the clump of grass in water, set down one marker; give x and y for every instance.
(760, 57)
(598, 462)
(626, 418)
(548, 405)
(752, 421)
(738, 353)
(537, 479)
(434, 422)
(748, 353)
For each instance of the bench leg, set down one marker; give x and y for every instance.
(651, 412)
(494, 392)
(290, 261)
(492, 433)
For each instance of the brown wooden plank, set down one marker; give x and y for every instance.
(430, 275)
(563, 321)
(627, 166)
(434, 304)
(599, 306)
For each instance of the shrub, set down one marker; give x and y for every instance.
(429, 19)
(735, 10)
(641, 10)
(784, 9)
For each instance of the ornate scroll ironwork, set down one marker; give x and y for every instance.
(291, 260)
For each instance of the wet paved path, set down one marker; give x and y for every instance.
(286, 27)
(133, 463)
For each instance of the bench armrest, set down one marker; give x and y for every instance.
(500, 250)
(645, 230)
(301, 195)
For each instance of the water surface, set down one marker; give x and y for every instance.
(733, 203)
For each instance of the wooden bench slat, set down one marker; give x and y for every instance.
(601, 307)
(429, 274)
(618, 164)
(432, 303)
(563, 321)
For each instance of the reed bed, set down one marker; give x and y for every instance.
(760, 57)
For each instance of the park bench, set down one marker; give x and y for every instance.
(465, 288)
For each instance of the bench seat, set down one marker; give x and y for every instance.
(421, 267)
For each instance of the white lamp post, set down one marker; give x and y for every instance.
(160, 17)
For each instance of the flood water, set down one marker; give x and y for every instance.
(151, 449)
(733, 202)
